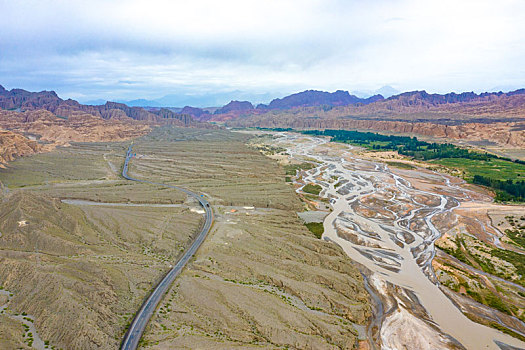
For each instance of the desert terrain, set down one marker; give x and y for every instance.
(315, 244)
(81, 248)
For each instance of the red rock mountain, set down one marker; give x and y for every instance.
(193, 111)
(22, 100)
(13, 145)
(235, 106)
(311, 98)
(46, 117)
(497, 117)
(16, 129)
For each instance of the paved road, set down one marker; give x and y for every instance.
(135, 331)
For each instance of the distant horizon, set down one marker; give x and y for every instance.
(255, 102)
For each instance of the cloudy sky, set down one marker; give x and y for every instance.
(147, 49)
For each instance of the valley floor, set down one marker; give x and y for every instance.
(80, 248)
(324, 246)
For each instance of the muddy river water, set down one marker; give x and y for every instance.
(387, 224)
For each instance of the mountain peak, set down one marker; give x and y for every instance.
(235, 106)
(309, 98)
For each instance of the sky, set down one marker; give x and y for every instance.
(124, 50)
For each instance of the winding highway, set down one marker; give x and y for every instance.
(135, 331)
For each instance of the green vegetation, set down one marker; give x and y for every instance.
(515, 259)
(313, 189)
(507, 331)
(401, 165)
(517, 234)
(467, 256)
(496, 303)
(482, 292)
(274, 129)
(291, 169)
(505, 190)
(474, 295)
(498, 173)
(493, 168)
(269, 150)
(458, 252)
(316, 228)
(368, 139)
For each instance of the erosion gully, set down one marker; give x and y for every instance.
(385, 224)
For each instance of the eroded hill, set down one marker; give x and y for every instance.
(13, 145)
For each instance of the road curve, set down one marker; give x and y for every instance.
(137, 327)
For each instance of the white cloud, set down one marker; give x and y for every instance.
(96, 48)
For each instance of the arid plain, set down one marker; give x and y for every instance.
(79, 237)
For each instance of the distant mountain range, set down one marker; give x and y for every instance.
(338, 103)
(416, 112)
(385, 91)
(219, 99)
(21, 100)
(197, 100)
(308, 98)
(311, 98)
(493, 117)
(343, 103)
(413, 105)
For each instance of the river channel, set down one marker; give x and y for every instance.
(386, 224)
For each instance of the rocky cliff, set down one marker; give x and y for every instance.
(51, 131)
(496, 117)
(13, 145)
(193, 111)
(22, 100)
(508, 134)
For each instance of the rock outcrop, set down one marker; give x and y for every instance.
(13, 145)
(507, 134)
(52, 131)
(54, 121)
(193, 111)
(495, 117)
(22, 100)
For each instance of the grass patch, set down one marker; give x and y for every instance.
(517, 236)
(507, 331)
(514, 258)
(312, 189)
(496, 303)
(316, 228)
(474, 295)
(292, 169)
(493, 168)
(458, 252)
(401, 165)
